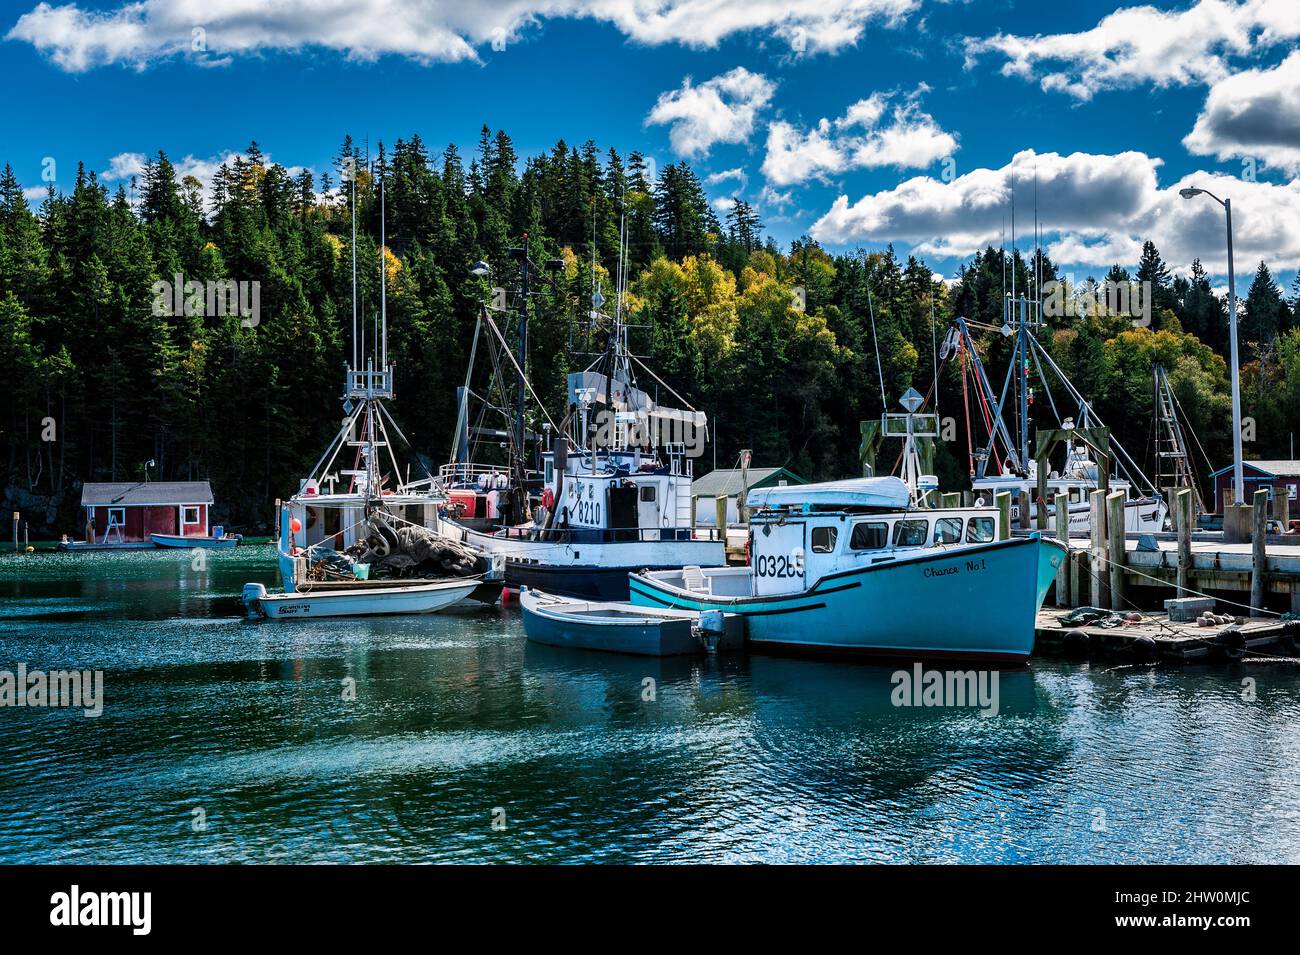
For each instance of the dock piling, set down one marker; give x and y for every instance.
(1063, 535)
(1003, 501)
(1022, 504)
(1183, 525)
(1258, 549)
(1099, 543)
(1117, 552)
(1282, 506)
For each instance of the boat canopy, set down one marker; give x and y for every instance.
(885, 492)
(626, 397)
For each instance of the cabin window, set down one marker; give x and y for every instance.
(116, 515)
(549, 472)
(1076, 495)
(947, 530)
(869, 535)
(415, 514)
(980, 530)
(823, 540)
(911, 533)
(648, 493)
(189, 515)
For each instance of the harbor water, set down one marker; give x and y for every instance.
(449, 738)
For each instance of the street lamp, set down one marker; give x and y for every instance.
(1238, 478)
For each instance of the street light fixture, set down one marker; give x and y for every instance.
(1238, 477)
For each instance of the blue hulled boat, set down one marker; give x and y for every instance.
(853, 566)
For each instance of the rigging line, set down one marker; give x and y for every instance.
(934, 349)
(1043, 378)
(871, 310)
(462, 413)
(336, 445)
(669, 387)
(1195, 437)
(1127, 464)
(542, 408)
(385, 413)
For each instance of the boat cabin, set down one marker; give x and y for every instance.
(127, 512)
(620, 495)
(338, 520)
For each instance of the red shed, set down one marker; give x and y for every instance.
(128, 512)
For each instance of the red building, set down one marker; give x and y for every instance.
(128, 512)
(1277, 476)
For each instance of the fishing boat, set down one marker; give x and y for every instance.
(360, 536)
(619, 627)
(1007, 449)
(323, 599)
(856, 567)
(615, 489)
(217, 540)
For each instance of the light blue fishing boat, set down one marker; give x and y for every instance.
(854, 567)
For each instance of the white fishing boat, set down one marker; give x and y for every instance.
(615, 490)
(361, 536)
(358, 599)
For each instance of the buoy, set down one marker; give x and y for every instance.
(1230, 645)
(1076, 642)
(295, 525)
(1145, 649)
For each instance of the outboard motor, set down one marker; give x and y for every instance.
(710, 629)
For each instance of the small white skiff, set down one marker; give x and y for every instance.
(360, 601)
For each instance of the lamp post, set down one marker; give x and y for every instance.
(1238, 478)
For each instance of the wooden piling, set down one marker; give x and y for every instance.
(1258, 549)
(1117, 553)
(1003, 501)
(1063, 535)
(1282, 506)
(950, 500)
(695, 510)
(1183, 525)
(1022, 503)
(720, 514)
(1098, 545)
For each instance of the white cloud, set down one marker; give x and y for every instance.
(1098, 208)
(911, 140)
(144, 32)
(123, 166)
(1136, 45)
(720, 110)
(1254, 114)
(737, 174)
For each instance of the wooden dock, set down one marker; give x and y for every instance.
(1154, 638)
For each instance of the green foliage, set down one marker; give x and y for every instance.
(780, 348)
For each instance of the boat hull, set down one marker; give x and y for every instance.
(615, 627)
(187, 543)
(359, 602)
(585, 581)
(976, 603)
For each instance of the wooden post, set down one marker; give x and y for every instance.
(968, 499)
(1022, 502)
(1118, 552)
(1259, 551)
(1003, 501)
(15, 532)
(695, 510)
(1063, 535)
(1282, 506)
(1183, 523)
(950, 500)
(720, 514)
(1042, 510)
(1098, 542)
(1079, 581)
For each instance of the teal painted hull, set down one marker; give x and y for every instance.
(977, 603)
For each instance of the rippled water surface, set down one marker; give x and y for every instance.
(457, 721)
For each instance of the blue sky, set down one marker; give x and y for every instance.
(861, 122)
